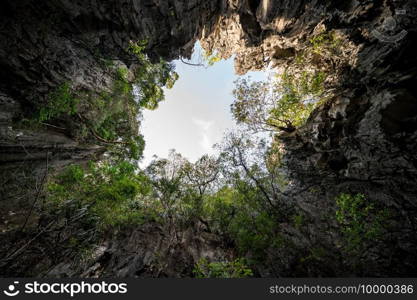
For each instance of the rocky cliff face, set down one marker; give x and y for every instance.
(363, 139)
(147, 252)
(46, 44)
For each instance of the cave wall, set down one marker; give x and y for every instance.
(45, 44)
(48, 43)
(362, 141)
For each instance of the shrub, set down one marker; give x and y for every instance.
(240, 216)
(233, 269)
(108, 192)
(361, 221)
(72, 175)
(326, 42)
(60, 102)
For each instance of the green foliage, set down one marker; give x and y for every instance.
(150, 78)
(60, 102)
(220, 209)
(228, 204)
(211, 58)
(361, 221)
(112, 119)
(273, 104)
(72, 174)
(253, 233)
(208, 195)
(110, 193)
(233, 269)
(315, 255)
(326, 42)
(122, 86)
(138, 48)
(134, 148)
(285, 102)
(181, 187)
(251, 102)
(248, 207)
(239, 215)
(298, 220)
(299, 96)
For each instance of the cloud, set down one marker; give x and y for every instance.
(205, 143)
(204, 128)
(204, 125)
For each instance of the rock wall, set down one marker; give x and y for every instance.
(148, 252)
(362, 140)
(43, 45)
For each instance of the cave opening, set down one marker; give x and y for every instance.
(196, 112)
(316, 168)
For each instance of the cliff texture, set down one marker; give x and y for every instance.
(362, 140)
(44, 45)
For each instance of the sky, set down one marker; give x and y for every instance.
(195, 113)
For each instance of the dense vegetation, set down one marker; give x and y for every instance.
(109, 117)
(237, 200)
(239, 195)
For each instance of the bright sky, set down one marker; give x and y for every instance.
(195, 113)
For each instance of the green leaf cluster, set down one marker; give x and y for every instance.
(211, 58)
(60, 102)
(299, 95)
(326, 42)
(227, 269)
(284, 101)
(361, 221)
(150, 77)
(238, 213)
(111, 117)
(110, 193)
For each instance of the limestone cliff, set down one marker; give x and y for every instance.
(46, 44)
(363, 139)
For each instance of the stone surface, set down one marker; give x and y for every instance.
(362, 141)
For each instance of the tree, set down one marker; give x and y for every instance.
(200, 179)
(248, 164)
(181, 186)
(202, 58)
(112, 117)
(106, 191)
(249, 203)
(166, 177)
(202, 174)
(253, 101)
(150, 78)
(278, 104)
